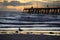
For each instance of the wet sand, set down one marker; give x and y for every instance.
(27, 37)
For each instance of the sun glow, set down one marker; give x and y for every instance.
(1, 0)
(24, 1)
(18, 8)
(22, 5)
(9, 0)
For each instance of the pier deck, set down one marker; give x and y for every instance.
(43, 10)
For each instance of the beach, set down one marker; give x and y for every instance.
(27, 37)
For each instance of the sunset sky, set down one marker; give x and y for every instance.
(24, 1)
(21, 4)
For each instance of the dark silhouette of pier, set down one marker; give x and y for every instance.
(47, 10)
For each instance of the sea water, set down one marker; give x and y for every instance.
(20, 19)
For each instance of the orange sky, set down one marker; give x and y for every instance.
(23, 1)
(1, 0)
(18, 8)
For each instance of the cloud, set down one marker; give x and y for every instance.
(55, 3)
(14, 3)
(17, 3)
(40, 3)
(1, 4)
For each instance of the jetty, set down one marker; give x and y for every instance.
(47, 10)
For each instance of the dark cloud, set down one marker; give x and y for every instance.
(39, 3)
(14, 3)
(17, 3)
(1, 4)
(54, 3)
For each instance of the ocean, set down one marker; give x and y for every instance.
(20, 19)
(28, 20)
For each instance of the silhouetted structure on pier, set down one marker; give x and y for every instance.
(43, 10)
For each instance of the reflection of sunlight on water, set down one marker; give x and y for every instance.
(41, 28)
(13, 29)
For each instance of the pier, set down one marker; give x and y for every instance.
(43, 10)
